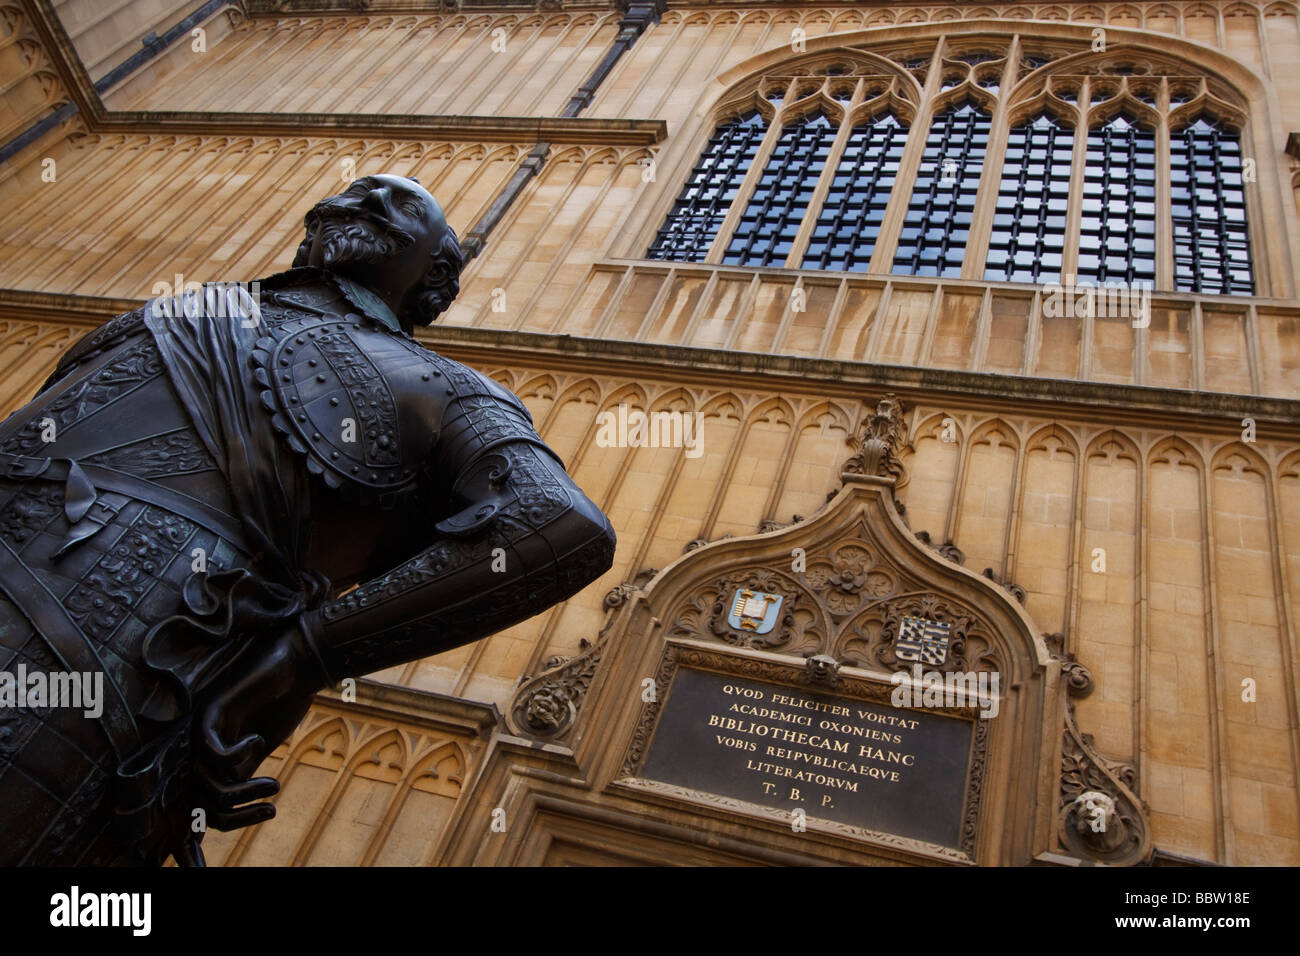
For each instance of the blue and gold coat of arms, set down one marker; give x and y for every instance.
(754, 611)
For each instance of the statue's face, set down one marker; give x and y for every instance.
(380, 232)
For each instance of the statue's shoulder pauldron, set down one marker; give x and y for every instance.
(333, 387)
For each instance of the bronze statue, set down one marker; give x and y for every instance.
(188, 500)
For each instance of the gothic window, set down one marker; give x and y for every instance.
(846, 230)
(700, 210)
(1110, 168)
(776, 209)
(1117, 234)
(1211, 243)
(933, 239)
(1028, 236)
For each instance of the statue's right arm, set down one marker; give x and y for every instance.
(520, 537)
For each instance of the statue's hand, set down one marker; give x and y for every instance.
(254, 706)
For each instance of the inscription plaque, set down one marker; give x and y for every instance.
(891, 769)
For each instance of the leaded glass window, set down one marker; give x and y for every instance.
(768, 226)
(702, 207)
(1211, 241)
(1117, 234)
(849, 223)
(1094, 142)
(1028, 235)
(933, 238)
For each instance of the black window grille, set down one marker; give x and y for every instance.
(698, 214)
(1117, 234)
(844, 236)
(934, 234)
(1028, 235)
(1211, 239)
(771, 220)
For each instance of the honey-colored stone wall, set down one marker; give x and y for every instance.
(481, 64)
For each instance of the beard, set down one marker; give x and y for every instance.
(355, 241)
(348, 239)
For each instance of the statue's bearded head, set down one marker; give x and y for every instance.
(388, 234)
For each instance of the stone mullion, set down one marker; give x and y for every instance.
(820, 191)
(658, 511)
(392, 809)
(959, 481)
(470, 105)
(154, 187)
(240, 50)
(518, 261)
(61, 227)
(743, 311)
(576, 232)
(208, 199)
(1074, 203)
(833, 320)
(787, 317)
(777, 491)
(983, 331)
(658, 108)
(233, 66)
(460, 155)
(231, 95)
(1080, 560)
(1141, 613)
(1215, 692)
(891, 224)
(472, 76)
(931, 323)
(1286, 623)
(874, 333)
(290, 175)
(1011, 537)
(706, 298)
(724, 479)
(324, 61)
(738, 205)
(567, 308)
(564, 69)
(669, 44)
(656, 306)
(986, 191)
(620, 290)
(349, 75)
(1165, 275)
(342, 777)
(419, 76)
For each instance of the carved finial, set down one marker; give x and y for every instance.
(881, 442)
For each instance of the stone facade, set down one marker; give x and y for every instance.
(1106, 470)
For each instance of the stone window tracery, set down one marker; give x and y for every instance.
(1018, 160)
